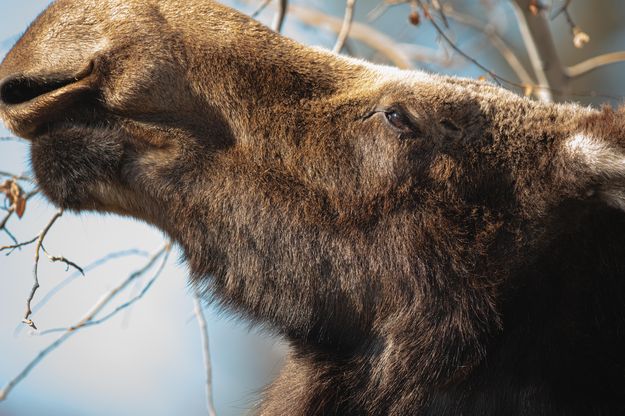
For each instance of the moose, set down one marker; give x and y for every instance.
(427, 245)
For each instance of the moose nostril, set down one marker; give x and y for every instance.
(18, 89)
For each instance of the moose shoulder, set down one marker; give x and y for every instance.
(427, 245)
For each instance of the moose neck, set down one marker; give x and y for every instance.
(273, 251)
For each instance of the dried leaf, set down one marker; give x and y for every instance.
(528, 89)
(414, 18)
(580, 38)
(534, 7)
(533, 10)
(14, 193)
(5, 188)
(20, 206)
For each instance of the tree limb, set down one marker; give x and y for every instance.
(347, 24)
(260, 9)
(536, 34)
(100, 304)
(39, 240)
(497, 41)
(12, 139)
(128, 303)
(280, 15)
(16, 177)
(591, 64)
(97, 263)
(201, 320)
(366, 34)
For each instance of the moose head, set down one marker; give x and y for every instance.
(427, 244)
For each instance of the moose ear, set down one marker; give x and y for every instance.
(600, 164)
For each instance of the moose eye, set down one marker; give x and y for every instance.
(398, 120)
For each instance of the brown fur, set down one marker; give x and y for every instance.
(465, 263)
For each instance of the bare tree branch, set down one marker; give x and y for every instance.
(498, 79)
(366, 34)
(201, 320)
(91, 266)
(100, 304)
(3, 225)
(347, 25)
(6, 230)
(536, 34)
(91, 322)
(38, 247)
(382, 7)
(19, 245)
(260, 8)
(561, 9)
(13, 139)
(497, 41)
(16, 177)
(591, 64)
(422, 54)
(280, 15)
(62, 259)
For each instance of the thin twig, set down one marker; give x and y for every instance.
(5, 219)
(91, 266)
(62, 259)
(498, 79)
(347, 25)
(382, 7)
(423, 54)
(497, 41)
(118, 308)
(441, 11)
(541, 49)
(16, 177)
(594, 63)
(40, 239)
(201, 320)
(9, 233)
(13, 139)
(280, 15)
(366, 34)
(100, 304)
(19, 245)
(260, 8)
(6, 390)
(561, 9)
(3, 226)
(397, 55)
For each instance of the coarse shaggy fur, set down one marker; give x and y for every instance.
(427, 245)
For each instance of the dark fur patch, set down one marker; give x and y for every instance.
(462, 266)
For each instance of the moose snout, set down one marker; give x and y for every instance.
(18, 89)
